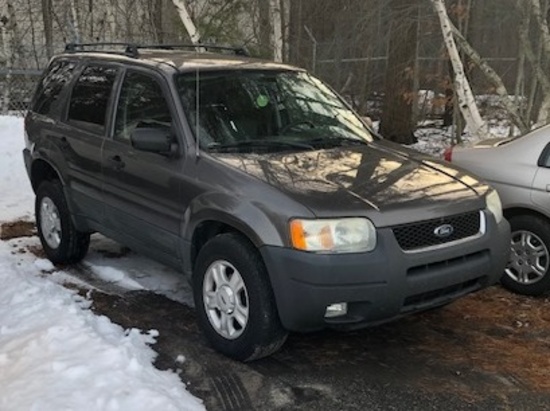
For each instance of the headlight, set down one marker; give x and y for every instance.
(494, 205)
(346, 235)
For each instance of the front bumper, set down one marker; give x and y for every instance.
(384, 284)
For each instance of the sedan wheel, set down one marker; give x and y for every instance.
(527, 269)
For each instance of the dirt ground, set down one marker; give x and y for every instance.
(487, 351)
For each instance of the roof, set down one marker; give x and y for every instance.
(178, 57)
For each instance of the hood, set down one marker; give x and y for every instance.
(379, 181)
(493, 142)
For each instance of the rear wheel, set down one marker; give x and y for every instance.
(234, 301)
(61, 241)
(527, 269)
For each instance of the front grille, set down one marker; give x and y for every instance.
(414, 236)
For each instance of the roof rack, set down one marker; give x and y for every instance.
(239, 51)
(132, 49)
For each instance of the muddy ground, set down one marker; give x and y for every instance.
(488, 351)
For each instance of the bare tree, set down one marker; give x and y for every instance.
(397, 117)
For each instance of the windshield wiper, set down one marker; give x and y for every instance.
(335, 141)
(260, 144)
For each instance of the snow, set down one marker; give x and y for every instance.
(17, 196)
(55, 354)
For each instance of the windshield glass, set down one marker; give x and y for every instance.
(267, 110)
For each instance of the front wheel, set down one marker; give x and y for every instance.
(60, 239)
(234, 301)
(527, 269)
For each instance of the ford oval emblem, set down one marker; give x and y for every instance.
(444, 231)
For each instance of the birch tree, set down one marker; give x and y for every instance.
(187, 21)
(465, 96)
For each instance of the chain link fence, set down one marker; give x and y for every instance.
(16, 89)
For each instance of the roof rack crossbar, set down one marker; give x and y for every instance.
(130, 49)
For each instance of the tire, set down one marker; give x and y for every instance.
(61, 241)
(230, 270)
(528, 267)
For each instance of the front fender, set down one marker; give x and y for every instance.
(261, 226)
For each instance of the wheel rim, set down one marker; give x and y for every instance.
(225, 299)
(50, 222)
(529, 258)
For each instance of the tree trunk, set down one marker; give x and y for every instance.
(397, 117)
(187, 21)
(465, 96)
(75, 22)
(265, 32)
(276, 19)
(48, 26)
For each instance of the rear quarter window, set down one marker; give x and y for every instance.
(51, 85)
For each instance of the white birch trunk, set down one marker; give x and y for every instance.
(276, 23)
(76, 25)
(187, 21)
(6, 88)
(111, 20)
(466, 100)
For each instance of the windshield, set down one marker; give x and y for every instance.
(267, 110)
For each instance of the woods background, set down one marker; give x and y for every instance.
(387, 57)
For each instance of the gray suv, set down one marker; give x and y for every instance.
(258, 182)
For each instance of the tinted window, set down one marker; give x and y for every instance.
(141, 104)
(91, 93)
(50, 86)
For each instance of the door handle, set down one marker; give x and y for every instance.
(116, 162)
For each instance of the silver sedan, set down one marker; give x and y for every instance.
(519, 168)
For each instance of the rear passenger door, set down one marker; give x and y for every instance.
(81, 137)
(143, 189)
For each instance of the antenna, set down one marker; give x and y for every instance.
(197, 116)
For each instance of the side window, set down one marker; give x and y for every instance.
(544, 159)
(141, 105)
(51, 85)
(90, 96)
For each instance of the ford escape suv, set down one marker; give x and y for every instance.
(259, 183)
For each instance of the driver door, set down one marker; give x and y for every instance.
(143, 189)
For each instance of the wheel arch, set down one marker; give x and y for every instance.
(517, 211)
(42, 170)
(207, 229)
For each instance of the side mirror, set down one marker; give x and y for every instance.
(154, 140)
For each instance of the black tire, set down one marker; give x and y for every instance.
(539, 229)
(73, 244)
(263, 333)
